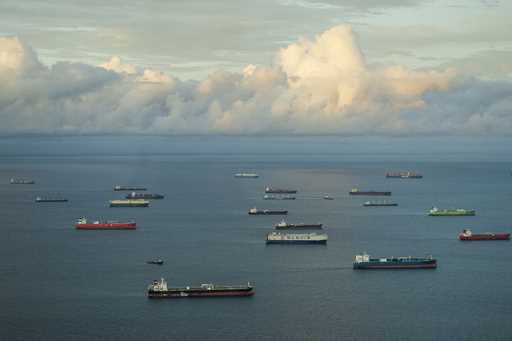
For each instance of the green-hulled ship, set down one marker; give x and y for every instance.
(457, 212)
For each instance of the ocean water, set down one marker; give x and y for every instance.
(57, 283)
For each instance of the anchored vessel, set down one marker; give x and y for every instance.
(50, 199)
(327, 197)
(404, 175)
(129, 203)
(283, 225)
(458, 212)
(129, 188)
(159, 289)
(296, 238)
(135, 195)
(247, 175)
(468, 235)
(278, 197)
(379, 203)
(21, 182)
(364, 262)
(255, 211)
(84, 224)
(280, 190)
(155, 261)
(356, 191)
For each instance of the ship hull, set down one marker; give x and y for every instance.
(201, 293)
(130, 205)
(145, 196)
(280, 191)
(299, 227)
(467, 214)
(113, 226)
(117, 189)
(371, 193)
(52, 200)
(379, 205)
(269, 213)
(485, 236)
(370, 266)
(296, 241)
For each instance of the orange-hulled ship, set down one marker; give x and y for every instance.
(84, 224)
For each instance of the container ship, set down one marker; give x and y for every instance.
(467, 235)
(404, 175)
(135, 195)
(247, 175)
(296, 238)
(51, 199)
(356, 191)
(458, 212)
(84, 224)
(271, 190)
(129, 203)
(283, 225)
(364, 262)
(379, 203)
(159, 289)
(129, 188)
(255, 211)
(21, 182)
(278, 197)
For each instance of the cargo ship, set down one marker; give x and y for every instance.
(364, 262)
(379, 203)
(247, 175)
(467, 235)
(327, 197)
(404, 175)
(129, 188)
(356, 191)
(129, 203)
(457, 212)
(296, 238)
(51, 199)
(159, 289)
(84, 224)
(255, 211)
(22, 182)
(283, 225)
(271, 190)
(135, 195)
(278, 197)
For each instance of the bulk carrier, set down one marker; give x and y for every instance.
(129, 203)
(364, 262)
(159, 289)
(255, 211)
(296, 238)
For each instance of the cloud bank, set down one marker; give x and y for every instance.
(318, 86)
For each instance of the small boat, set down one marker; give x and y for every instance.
(467, 235)
(155, 261)
(327, 197)
(278, 197)
(379, 203)
(356, 191)
(458, 212)
(255, 211)
(21, 181)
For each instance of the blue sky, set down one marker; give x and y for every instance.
(392, 67)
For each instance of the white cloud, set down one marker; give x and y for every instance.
(315, 86)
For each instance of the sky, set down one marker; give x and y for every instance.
(380, 67)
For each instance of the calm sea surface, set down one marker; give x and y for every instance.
(57, 283)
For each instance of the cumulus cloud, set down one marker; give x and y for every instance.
(315, 86)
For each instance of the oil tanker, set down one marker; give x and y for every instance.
(467, 235)
(129, 203)
(84, 224)
(404, 175)
(283, 225)
(135, 195)
(296, 238)
(271, 190)
(255, 211)
(364, 262)
(457, 212)
(356, 191)
(159, 289)
(129, 188)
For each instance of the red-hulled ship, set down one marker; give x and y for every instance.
(84, 224)
(468, 235)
